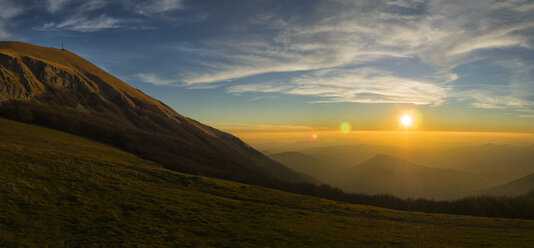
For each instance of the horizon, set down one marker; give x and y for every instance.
(232, 64)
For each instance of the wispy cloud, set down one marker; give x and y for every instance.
(442, 34)
(364, 85)
(8, 11)
(158, 6)
(482, 99)
(75, 7)
(153, 79)
(54, 6)
(258, 87)
(516, 92)
(96, 15)
(83, 24)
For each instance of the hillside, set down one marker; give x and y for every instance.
(390, 175)
(516, 187)
(60, 190)
(58, 89)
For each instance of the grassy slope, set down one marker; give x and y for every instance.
(61, 190)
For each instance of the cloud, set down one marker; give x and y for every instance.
(503, 37)
(354, 36)
(515, 91)
(363, 85)
(259, 87)
(368, 86)
(421, 51)
(8, 11)
(75, 7)
(54, 6)
(335, 35)
(158, 6)
(83, 24)
(154, 79)
(483, 99)
(96, 15)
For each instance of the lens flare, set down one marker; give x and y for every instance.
(345, 127)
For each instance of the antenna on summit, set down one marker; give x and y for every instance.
(62, 46)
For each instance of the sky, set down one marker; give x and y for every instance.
(306, 65)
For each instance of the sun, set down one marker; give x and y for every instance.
(406, 120)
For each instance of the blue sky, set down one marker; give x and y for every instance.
(464, 65)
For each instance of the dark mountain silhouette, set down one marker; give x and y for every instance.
(390, 175)
(516, 187)
(58, 89)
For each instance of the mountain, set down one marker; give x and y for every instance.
(384, 174)
(344, 156)
(516, 187)
(307, 164)
(60, 190)
(514, 161)
(507, 161)
(58, 89)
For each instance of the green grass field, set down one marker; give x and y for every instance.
(59, 190)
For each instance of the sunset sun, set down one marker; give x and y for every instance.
(406, 120)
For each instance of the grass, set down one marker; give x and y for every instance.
(59, 190)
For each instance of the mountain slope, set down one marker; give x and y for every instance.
(390, 175)
(58, 89)
(516, 187)
(60, 190)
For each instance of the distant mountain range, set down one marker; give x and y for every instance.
(384, 174)
(58, 89)
(438, 174)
